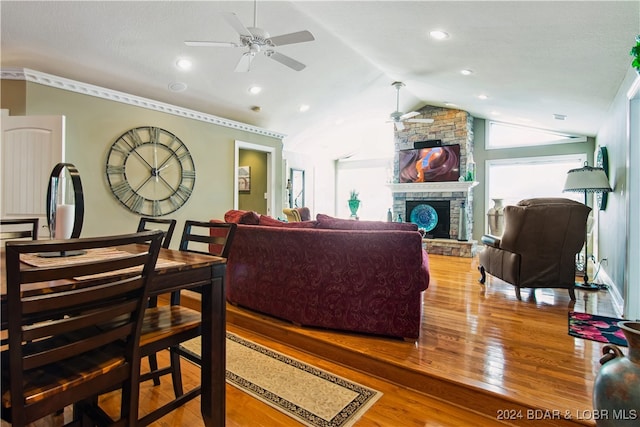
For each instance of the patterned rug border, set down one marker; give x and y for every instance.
(346, 417)
(596, 328)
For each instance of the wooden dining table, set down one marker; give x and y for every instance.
(179, 270)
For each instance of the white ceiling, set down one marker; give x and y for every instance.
(532, 59)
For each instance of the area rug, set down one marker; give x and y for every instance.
(311, 395)
(596, 328)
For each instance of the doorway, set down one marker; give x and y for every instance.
(255, 192)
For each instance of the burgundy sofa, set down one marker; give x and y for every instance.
(360, 276)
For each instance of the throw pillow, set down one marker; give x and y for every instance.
(272, 222)
(326, 221)
(242, 217)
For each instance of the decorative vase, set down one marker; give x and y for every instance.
(495, 215)
(616, 390)
(354, 205)
(463, 235)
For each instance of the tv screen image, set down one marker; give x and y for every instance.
(436, 164)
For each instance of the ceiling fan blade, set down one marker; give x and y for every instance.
(291, 38)
(233, 20)
(409, 115)
(244, 65)
(399, 126)
(285, 60)
(419, 120)
(196, 43)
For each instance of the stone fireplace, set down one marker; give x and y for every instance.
(451, 127)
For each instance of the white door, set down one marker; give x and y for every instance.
(30, 147)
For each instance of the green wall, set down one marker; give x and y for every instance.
(93, 124)
(253, 200)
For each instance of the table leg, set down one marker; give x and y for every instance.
(213, 368)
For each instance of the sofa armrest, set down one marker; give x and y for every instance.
(490, 240)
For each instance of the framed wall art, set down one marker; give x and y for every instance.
(244, 179)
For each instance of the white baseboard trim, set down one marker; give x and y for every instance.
(616, 298)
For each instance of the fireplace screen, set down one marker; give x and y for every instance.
(430, 215)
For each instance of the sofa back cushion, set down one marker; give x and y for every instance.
(242, 217)
(326, 221)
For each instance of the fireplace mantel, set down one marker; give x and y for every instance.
(433, 187)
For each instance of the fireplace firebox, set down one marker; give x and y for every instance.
(431, 215)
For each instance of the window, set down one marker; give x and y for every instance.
(504, 135)
(513, 180)
(370, 178)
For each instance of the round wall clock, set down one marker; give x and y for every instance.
(602, 161)
(150, 171)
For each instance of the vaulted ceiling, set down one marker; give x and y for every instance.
(532, 60)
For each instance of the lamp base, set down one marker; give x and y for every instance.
(587, 286)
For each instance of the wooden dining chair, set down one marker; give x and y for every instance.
(163, 224)
(79, 335)
(167, 326)
(167, 226)
(19, 228)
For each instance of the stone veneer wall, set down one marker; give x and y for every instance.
(452, 127)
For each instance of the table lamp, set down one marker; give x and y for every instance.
(587, 179)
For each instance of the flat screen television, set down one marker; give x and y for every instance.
(435, 164)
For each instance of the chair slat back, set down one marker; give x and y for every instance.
(89, 306)
(210, 238)
(22, 228)
(163, 224)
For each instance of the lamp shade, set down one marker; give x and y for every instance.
(587, 178)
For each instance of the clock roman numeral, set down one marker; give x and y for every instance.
(188, 174)
(180, 196)
(133, 134)
(115, 170)
(122, 190)
(135, 202)
(156, 209)
(122, 146)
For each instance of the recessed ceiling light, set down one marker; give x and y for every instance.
(184, 64)
(303, 108)
(439, 35)
(177, 86)
(466, 72)
(256, 108)
(483, 97)
(254, 90)
(495, 113)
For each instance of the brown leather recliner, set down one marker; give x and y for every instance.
(539, 245)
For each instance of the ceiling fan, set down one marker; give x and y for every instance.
(257, 40)
(399, 118)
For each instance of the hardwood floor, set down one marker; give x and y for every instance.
(480, 348)
(481, 354)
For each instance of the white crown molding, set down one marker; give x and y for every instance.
(433, 187)
(125, 98)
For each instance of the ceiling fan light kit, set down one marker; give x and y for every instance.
(398, 118)
(256, 40)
